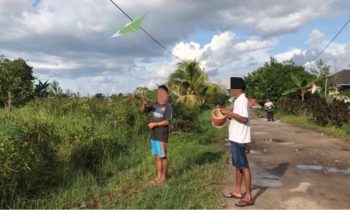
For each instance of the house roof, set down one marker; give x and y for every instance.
(341, 78)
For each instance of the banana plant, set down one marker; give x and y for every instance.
(302, 86)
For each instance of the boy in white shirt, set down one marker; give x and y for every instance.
(239, 135)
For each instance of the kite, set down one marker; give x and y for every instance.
(35, 3)
(131, 27)
(314, 88)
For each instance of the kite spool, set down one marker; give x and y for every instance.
(217, 118)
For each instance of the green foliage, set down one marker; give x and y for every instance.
(55, 89)
(307, 122)
(335, 113)
(62, 152)
(273, 79)
(345, 92)
(191, 85)
(184, 117)
(322, 73)
(27, 153)
(16, 81)
(302, 86)
(41, 89)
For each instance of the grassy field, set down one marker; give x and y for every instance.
(306, 122)
(66, 153)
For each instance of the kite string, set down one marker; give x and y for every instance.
(330, 42)
(148, 34)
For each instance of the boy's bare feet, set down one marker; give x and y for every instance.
(233, 195)
(155, 180)
(162, 180)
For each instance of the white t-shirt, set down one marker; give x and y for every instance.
(239, 132)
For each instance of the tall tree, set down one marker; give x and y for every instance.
(322, 72)
(190, 83)
(301, 85)
(16, 81)
(55, 89)
(42, 89)
(273, 79)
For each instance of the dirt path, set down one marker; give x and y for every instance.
(295, 168)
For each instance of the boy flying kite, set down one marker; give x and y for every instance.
(159, 125)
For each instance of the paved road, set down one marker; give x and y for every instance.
(295, 168)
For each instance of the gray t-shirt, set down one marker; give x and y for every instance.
(160, 113)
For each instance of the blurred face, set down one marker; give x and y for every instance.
(234, 92)
(162, 96)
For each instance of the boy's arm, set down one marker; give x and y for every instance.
(157, 124)
(144, 107)
(166, 121)
(234, 116)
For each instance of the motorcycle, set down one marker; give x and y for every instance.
(269, 113)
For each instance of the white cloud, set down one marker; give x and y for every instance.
(336, 55)
(255, 44)
(285, 56)
(187, 51)
(316, 39)
(221, 58)
(70, 40)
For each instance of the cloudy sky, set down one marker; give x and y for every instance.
(69, 41)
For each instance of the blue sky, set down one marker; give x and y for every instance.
(69, 41)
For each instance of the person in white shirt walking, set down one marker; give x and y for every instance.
(239, 135)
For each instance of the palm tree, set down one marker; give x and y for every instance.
(55, 88)
(41, 89)
(301, 85)
(190, 83)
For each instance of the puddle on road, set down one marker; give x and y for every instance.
(278, 141)
(266, 179)
(260, 133)
(299, 131)
(309, 167)
(256, 151)
(337, 170)
(274, 140)
(332, 170)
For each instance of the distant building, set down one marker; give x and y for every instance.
(341, 79)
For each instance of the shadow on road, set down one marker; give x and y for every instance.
(268, 178)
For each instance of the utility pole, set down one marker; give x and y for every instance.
(325, 88)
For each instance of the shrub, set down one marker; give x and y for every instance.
(334, 113)
(185, 118)
(28, 147)
(323, 113)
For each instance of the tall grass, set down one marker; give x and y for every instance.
(65, 153)
(306, 121)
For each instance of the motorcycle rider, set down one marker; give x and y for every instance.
(269, 108)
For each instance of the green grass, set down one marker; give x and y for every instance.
(260, 112)
(101, 132)
(306, 122)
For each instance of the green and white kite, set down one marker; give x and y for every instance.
(131, 27)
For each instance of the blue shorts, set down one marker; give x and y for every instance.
(159, 148)
(239, 156)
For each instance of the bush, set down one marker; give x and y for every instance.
(323, 113)
(185, 118)
(290, 106)
(28, 157)
(334, 113)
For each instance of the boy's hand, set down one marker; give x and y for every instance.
(225, 111)
(144, 101)
(151, 125)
